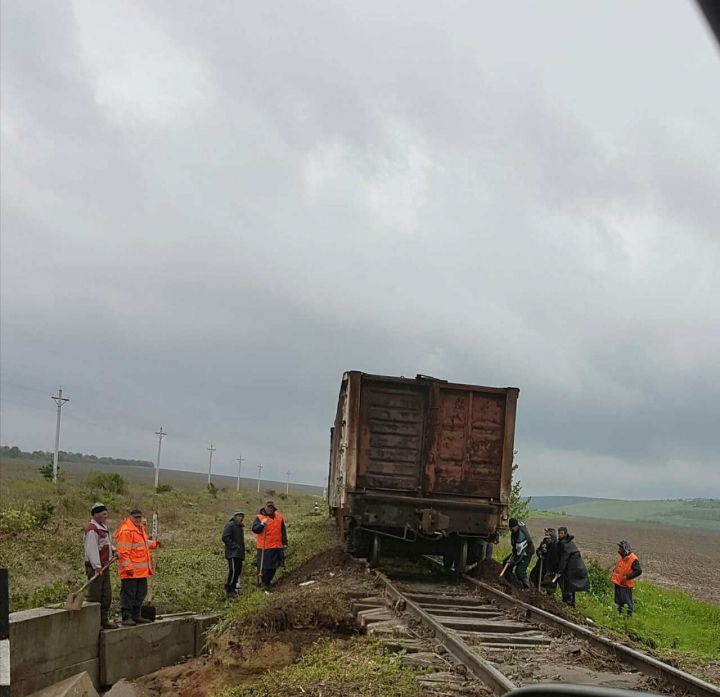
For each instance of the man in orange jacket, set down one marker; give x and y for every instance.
(271, 540)
(626, 569)
(134, 567)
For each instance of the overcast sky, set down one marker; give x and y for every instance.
(212, 210)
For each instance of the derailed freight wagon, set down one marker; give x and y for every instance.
(420, 466)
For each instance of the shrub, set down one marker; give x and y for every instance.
(599, 580)
(45, 513)
(213, 490)
(106, 481)
(47, 471)
(14, 520)
(282, 496)
(270, 492)
(163, 488)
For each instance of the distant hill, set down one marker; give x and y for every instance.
(556, 503)
(686, 513)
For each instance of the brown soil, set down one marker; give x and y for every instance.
(277, 635)
(681, 558)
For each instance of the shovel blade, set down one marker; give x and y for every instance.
(74, 602)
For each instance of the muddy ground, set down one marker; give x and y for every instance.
(237, 659)
(681, 558)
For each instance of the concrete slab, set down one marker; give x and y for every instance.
(122, 689)
(203, 624)
(367, 617)
(45, 640)
(529, 638)
(130, 652)
(34, 683)
(79, 685)
(476, 625)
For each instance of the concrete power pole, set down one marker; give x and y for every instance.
(160, 434)
(259, 473)
(59, 400)
(211, 450)
(287, 485)
(325, 491)
(240, 461)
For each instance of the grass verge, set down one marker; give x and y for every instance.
(336, 668)
(669, 622)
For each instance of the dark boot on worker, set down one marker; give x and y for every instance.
(128, 621)
(139, 619)
(105, 623)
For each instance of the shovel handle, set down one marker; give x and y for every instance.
(507, 563)
(90, 580)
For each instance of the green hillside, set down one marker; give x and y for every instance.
(689, 513)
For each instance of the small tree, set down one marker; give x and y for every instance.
(519, 507)
(47, 471)
(213, 490)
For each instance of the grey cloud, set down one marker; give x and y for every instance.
(243, 204)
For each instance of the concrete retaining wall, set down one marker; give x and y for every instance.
(49, 645)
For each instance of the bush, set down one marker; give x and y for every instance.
(213, 490)
(599, 580)
(47, 471)
(45, 513)
(282, 496)
(13, 520)
(106, 481)
(163, 489)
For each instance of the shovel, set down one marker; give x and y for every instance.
(540, 574)
(74, 601)
(262, 559)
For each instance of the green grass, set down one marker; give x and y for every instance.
(45, 560)
(335, 668)
(695, 513)
(668, 622)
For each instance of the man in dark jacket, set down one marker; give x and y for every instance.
(548, 554)
(571, 569)
(234, 538)
(522, 549)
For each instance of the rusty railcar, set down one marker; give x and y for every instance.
(420, 466)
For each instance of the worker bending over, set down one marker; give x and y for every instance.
(522, 549)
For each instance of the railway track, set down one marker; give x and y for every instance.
(506, 643)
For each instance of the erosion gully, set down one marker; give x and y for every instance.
(506, 643)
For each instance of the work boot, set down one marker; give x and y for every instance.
(128, 622)
(231, 596)
(140, 620)
(105, 623)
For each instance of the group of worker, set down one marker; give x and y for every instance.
(270, 541)
(559, 563)
(132, 553)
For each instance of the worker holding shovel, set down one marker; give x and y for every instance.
(271, 542)
(98, 554)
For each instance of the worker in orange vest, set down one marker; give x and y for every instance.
(271, 540)
(134, 567)
(626, 569)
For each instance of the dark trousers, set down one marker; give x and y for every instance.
(623, 596)
(267, 576)
(234, 571)
(132, 594)
(568, 595)
(99, 591)
(518, 574)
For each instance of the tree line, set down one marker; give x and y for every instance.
(14, 453)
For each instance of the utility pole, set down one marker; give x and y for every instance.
(287, 485)
(325, 491)
(59, 400)
(240, 461)
(260, 466)
(211, 450)
(160, 434)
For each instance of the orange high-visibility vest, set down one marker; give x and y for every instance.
(622, 569)
(133, 550)
(272, 532)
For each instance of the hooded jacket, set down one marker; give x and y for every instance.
(234, 538)
(521, 544)
(571, 566)
(133, 550)
(550, 552)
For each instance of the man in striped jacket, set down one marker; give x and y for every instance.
(98, 553)
(134, 567)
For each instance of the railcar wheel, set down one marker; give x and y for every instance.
(374, 559)
(461, 557)
(447, 562)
